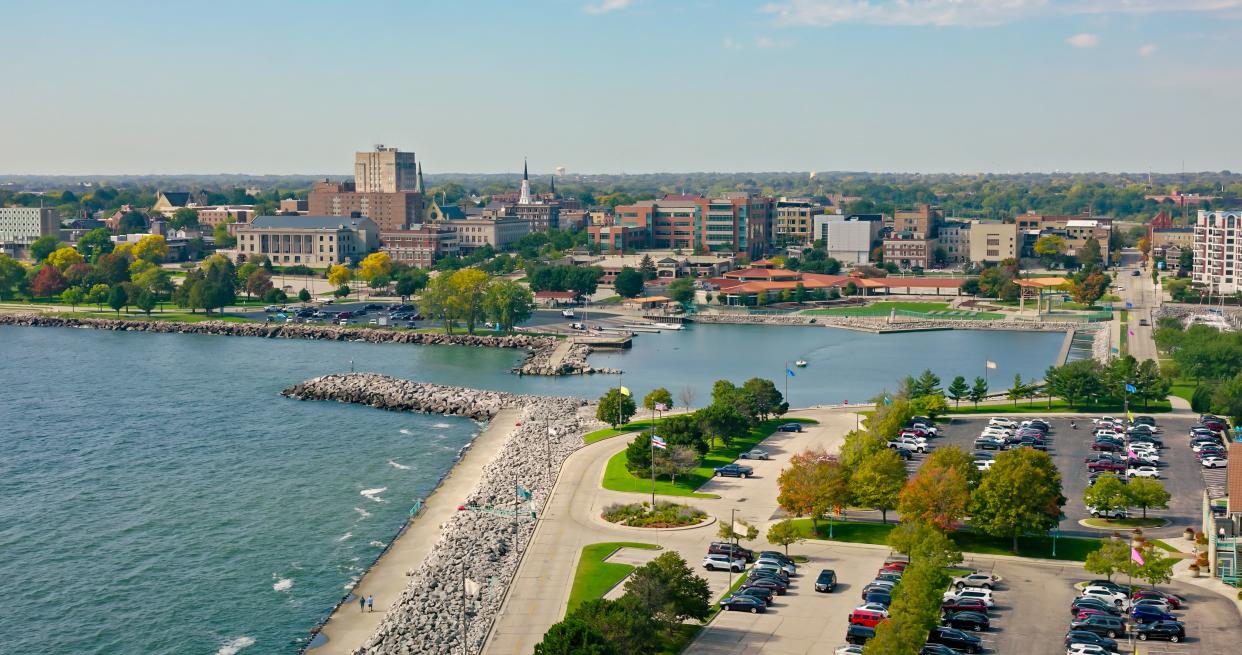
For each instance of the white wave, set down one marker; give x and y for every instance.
(350, 585)
(345, 536)
(373, 494)
(362, 513)
(378, 544)
(283, 584)
(395, 465)
(405, 431)
(441, 426)
(235, 645)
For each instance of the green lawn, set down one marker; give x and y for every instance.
(610, 300)
(1135, 522)
(1068, 548)
(181, 316)
(607, 433)
(594, 576)
(617, 478)
(1058, 405)
(880, 309)
(1125, 332)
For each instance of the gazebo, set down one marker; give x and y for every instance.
(1038, 288)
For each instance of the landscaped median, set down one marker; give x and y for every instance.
(596, 576)
(618, 478)
(1074, 549)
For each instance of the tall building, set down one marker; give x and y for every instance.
(24, 225)
(543, 212)
(955, 240)
(385, 170)
(913, 243)
(1218, 250)
(793, 220)
(847, 239)
(738, 222)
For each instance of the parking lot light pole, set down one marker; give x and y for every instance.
(732, 551)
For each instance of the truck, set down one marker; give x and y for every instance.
(734, 471)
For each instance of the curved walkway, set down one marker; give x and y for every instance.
(540, 592)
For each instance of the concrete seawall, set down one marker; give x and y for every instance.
(882, 324)
(483, 543)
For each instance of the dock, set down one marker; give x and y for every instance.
(620, 341)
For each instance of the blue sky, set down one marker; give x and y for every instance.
(622, 85)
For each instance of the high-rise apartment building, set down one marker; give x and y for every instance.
(385, 170)
(1218, 251)
(793, 220)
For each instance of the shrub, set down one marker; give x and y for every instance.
(664, 515)
(1201, 399)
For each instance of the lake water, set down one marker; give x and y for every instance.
(157, 495)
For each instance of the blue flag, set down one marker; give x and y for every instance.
(887, 400)
(789, 372)
(1129, 305)
(1130, 388)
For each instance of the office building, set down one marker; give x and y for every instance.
(385, 170)
(499, 232)
(387, 188)
(793, 221)
(993, 242)
(24, 225)
(421, 246)
(738, 222)
(954, 239)
(848, 239)
(315, 241)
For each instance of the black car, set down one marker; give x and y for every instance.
(827, 581)
(882, 597)
(767, 583)
(776, 555)
(937, 649)
(955, 639)
(1083, 637)
(762, 593)
(726, 548)
(858, 634)
(790, 427)
(1100, 624)
(1095, 604)
(1173, 631)
(903, 453)
(743, 603)
(972, 621)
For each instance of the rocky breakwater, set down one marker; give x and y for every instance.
(483, 544)
(560, 358)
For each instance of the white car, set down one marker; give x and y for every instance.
(1158, 603)
(1106, 420)
(976, 581)
(1107, 595)
(723, 563)
(929, 429)
(984, 595)
(848, 649)
(908, 443)
(1000, 422)
(996, 432)
(757, 453)
(1201, 444)
(874, 607)
(1087, 649)
(1107, 513)
(771, 562)
(1214, 462)
(1143, 472)
(1148, 455)
(984, 464)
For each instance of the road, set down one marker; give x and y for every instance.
(1140, 292)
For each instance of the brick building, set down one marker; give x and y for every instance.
(421, 246)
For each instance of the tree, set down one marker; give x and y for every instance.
(224, 238)
(668, 590)
(784, 533)
(952, 457)
(469, 289)
(722, 421)
(43, 246)
(1145, 493)
(151, 248)
(304, 295)
(411, 282)
(1049, 249)
(878, 480)
(1089, 255)
(117, 298)
(98, 295)
(1020, 494)
(48, 282)
(858, 445)
(375, 265)
(935, 495)
(436, 302)
(924, 544)
(1075, 382)
(73, 297)
(926, 384)
(740, 530)
(145, 302)
(803, 484)
(340, 275)
(1227, 398)
(259, 282)
(95, 243)
(1018, 390)
(659, 395)
(132, 222)
(681, 290)
(184, 218)
(931, 406)
(573, 636)
(508, 303)
(623, 622)
(112, 268)
(1113, 556)
(63, 258)
(676, 460)
(156, 280)
(1089, 289)
(628, 283)
(1107, 495)
(583, 280)
(958, 389)
(686, 396)
(979, 391)
(12, 274)
(615, 407)
(1156, 568)
(647, 267)
(763, 398)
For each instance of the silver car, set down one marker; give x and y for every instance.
(757, 453)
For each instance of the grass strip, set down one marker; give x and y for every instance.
(1074, 549)
(594, 576)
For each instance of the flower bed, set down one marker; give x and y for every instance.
(664, 515)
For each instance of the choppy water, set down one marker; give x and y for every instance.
(158, 496)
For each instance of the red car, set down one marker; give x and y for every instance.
(894, 566)
(1106, 465)
(1106, 446)
(964, 605)
(1173, 600)
(1084, 612)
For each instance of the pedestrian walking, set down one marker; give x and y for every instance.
(362, 604)
(370, 603)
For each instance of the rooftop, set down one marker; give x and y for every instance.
(307, 222)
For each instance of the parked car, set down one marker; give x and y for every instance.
(1083, 637)
(984, 595)
(1109, 584)
(776, 555)
(723, 563)
(1082, 603)
(1158, 603)
(743, 603)
(772, 566)
(726, 548)
(1107, 446)
(973, 621)
(848, 649)
(955, 639)
(1143, 472)
(936, 649)
(734, 471)
(894, 566)
(989, 443)
(964, 605)
(1175, 601)
(1173, 631)
(1098, 513)
(981, 580)
(869, 618)
(762, 593)
(875, 607)
(1118, 598)
(1085, 649)
(908, 443)
(757, 453)
(775, 585)
(790, 427)
(1105, 626)
(826, 581)
(1147, 614)
(1106, 465)
(881, 597)
(858, 634)
(1002, 422)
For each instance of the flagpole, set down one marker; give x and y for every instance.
(787, 380)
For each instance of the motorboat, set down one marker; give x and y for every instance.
(801, 363)
(669, 326)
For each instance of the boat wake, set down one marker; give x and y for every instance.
(232, 647)
(441, 426)
(378, 544)
(373, 494)
(395, 465)
(362, 513)
(405, 431)
(283, 584)
(344, 536)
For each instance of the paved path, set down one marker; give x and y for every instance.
(540, 592)
(348, 628)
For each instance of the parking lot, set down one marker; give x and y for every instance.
(1179, 469)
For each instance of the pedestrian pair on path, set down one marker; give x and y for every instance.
(366, 604)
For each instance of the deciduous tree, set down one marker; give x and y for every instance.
(1146, 493)
(508, 303)
(615, 408)
(659, 395)
(1020, 494)
(667, 589)
(1113, 556)
(878, 480)
(628, 283)
(63, 258)
(936, 496)
(48, 282)
(1107, 495)
(73, 297)
(783, 533)
(117, 298)
(43, 246)
(151, 248)
(803, 484)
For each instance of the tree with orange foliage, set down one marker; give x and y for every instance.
(935, 495)
(807, 484)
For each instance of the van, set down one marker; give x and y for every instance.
(868, 618)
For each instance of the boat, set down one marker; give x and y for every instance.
(669, 326)
(801, 363)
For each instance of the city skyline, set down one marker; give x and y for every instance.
(625, 86)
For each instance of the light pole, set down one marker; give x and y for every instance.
(732, 551)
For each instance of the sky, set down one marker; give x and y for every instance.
(621, 86)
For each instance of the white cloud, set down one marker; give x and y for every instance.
(1084, 40)
(729, 44)
(606, 6)
(973, 13)
(1147, 50)
(769, 43)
